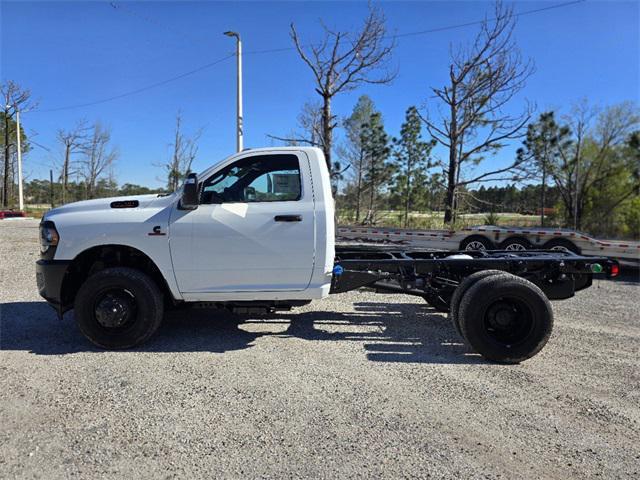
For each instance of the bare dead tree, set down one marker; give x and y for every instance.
(73, 141)
(99, 156)
(185, 150)
(14, 98)
(343, 61)
(483, 78)
(309, 127)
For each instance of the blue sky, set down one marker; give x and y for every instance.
(70, 53)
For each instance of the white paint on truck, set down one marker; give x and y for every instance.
(220, 252)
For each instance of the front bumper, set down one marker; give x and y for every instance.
(49, 276)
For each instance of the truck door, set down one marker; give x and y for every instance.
(254, 229)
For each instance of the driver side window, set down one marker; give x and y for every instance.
(261, 178)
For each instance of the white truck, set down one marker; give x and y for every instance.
(254, 234)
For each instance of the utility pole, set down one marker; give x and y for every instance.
(51, 188)
(19, 152)
(575, 200)
(7, 152)
(239, 132)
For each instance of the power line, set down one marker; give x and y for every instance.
(400, 35)
(119, 6)
(141, 89)
(432, 30)
(479, 22)
(284, 49)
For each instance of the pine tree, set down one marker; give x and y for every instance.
(353, 149)
(542, 145)
(375, 142)
(411, 162)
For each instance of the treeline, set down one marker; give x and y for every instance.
(524, 200)
(44, 193)
(520, 199)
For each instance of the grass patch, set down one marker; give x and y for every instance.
(435, 220)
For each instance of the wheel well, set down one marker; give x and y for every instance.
(106, 256)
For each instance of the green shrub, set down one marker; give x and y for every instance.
(491, 219)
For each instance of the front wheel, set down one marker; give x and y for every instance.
(505, 318)
(118, 308)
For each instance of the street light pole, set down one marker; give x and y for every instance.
(240, 133)
(20, 193)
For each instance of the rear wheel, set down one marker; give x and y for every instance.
(459, 292)
(118, 308)
(505, 318)
(476, 242)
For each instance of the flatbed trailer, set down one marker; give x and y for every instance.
(485, 237)
(497, 300)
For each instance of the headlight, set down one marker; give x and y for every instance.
(48, 236)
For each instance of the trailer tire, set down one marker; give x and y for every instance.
(118, 308)
(516, 243)
(505, 318)
(477, 242)
(459, 292)
(562, 244)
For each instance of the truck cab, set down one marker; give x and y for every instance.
(256, 227)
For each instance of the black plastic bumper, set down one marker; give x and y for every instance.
(49, 276)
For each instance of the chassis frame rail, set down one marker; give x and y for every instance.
(435, 275)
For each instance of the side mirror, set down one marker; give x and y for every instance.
(189, 199)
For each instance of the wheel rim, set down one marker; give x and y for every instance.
(115, 308)
(508, 321)
(475, 245)
(560, 248)
(515, 246)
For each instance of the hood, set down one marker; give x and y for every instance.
(124, 203)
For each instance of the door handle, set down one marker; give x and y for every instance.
(288, 218)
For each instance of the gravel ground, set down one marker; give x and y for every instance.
(357, 385)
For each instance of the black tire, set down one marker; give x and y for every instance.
(459, 292)
(118, 308)
(477, 242)
(561, 244)
(505, 318)
(516, 243)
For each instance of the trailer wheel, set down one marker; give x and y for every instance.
(459, 292)
(505, 318)
(118, 308)
(476, 242)
(562, 245)
(516, 244)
